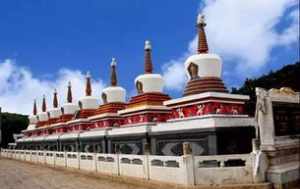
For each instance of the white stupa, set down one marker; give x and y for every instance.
(55, 112)
(43, 116)
(88, 102)
(204, 69)
(33, 119)
(149, 82)
(113, 93)
(210, 65)
(69, 107)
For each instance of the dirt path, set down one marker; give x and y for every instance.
(20, 175)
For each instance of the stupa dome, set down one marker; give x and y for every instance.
(209, 65)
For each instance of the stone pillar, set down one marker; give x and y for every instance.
(264, 117)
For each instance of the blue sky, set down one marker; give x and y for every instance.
(48, 35)
(44, 40)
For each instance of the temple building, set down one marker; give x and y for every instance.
(207, 116)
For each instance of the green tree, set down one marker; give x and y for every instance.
(12, 124)
(288, 76)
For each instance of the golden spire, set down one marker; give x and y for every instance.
(88, 87)
(113, 74)
(69, 94)
(148, 59)
(202, 42)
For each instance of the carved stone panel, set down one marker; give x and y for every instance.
(286, 118)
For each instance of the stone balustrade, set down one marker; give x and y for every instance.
(183, 170)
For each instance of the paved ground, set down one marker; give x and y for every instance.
(21, 175)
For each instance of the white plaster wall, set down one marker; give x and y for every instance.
(209, 65)
(115, 94)
(151, 82)
(205, 121)
(132, 130)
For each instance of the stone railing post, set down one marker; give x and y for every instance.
(146, 159)
(188, 164)
(117, 153)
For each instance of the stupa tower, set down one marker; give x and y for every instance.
(88, 104)
(113, 93)
(113, 98)
(43, 117)
(55, 112)
(143, 110)
(203, 69)
(149, 82)
(150, 96)
(201, 115)
(69, 108)
(33, 119)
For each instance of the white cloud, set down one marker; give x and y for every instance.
(18, 87)
(244, 32)
(174, 75)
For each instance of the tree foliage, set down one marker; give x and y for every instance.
(288, 76)
(12, 124)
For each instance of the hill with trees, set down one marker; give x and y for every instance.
(12, 124)
(288, 76)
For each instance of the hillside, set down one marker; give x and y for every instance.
(288, 76)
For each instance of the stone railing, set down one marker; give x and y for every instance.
(184, 170)
(224, 169)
